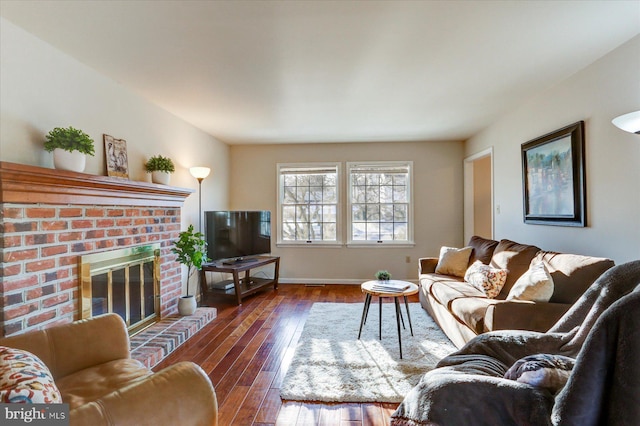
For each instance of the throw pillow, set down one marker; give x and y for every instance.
(535, 285)
(24, 378)
(453, 261)
(545, 371)
(485, 278)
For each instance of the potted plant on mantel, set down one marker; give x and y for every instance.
(191, 249)
(160, 168)
(70, 147)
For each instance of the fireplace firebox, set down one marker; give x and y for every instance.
(124, 281)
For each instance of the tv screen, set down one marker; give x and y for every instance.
(236, 234)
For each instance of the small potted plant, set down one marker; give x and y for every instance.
(160, 168)
(191, 249)
(383, 275)
(70, 147)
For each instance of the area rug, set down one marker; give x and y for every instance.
(330, 364)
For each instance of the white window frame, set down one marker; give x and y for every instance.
(409, 242)
(281, 167)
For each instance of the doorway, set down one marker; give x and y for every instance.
(478, 195)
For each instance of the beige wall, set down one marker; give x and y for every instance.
(607, 88)
(437, 195)
(43, 88)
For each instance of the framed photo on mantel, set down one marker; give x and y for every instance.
(115, 151)
(553, 178)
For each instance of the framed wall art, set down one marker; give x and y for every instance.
(553, 178)
(116, 156)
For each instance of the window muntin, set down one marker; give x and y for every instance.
(380, 202)
(308, 203)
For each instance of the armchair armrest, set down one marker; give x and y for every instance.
(72, 347)
(179, 394)
(524, 315)
(427, 265)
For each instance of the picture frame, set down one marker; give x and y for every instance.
(553, 178)
(115, 151)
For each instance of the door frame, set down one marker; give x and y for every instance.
(468, 201)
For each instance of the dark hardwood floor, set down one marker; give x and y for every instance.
(247, 349)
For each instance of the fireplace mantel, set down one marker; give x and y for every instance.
(20, 183)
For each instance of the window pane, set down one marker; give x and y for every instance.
(359, 212)
(329, 194)
(373, 212)
(386, 194)
(373, 194)
(329, 231)
(289, 213)
(373, 231)
(359, 231)
(373, 179)
(386, 213)
(400, 231)
(386, 231)
(289, 195)
(329, 214)
(400, 212)
(359, 194)
(399, 194)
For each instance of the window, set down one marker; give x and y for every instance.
(308, 204)
(380, 206)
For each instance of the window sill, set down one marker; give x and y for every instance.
(314, 244)
(385, 244)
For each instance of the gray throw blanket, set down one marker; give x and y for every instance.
(468, 387)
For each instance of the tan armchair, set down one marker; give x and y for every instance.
(92, 367)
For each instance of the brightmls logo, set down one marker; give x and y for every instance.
(35, 414)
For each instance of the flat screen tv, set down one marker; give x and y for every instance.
(234, 235)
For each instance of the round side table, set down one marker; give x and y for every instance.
(390, 288)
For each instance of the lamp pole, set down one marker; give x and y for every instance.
(200, 179)
(200, 173)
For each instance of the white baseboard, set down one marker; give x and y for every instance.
(317, 281)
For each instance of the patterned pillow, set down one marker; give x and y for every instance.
(25, 379)
(545, 371)
(485, 278)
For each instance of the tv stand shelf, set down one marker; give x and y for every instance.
(242, 286)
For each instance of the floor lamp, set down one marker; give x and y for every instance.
(200, 173)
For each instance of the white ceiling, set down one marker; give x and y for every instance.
(333, 71)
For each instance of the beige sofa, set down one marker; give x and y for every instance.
(91, 366)
(463, 311)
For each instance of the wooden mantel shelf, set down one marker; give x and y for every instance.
(20, 183)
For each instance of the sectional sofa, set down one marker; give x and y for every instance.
(464, 310)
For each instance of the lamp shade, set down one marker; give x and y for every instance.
(628, 122)
(199, 172)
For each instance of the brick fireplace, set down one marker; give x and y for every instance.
(49, 218)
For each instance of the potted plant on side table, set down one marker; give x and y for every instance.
(191, 249)
(160, 168)
(70, 147)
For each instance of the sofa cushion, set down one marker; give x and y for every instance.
(471, 311)
(485, 278)
(535, 285)
(24, 378)
(446, 289)
(572, 273)
(515, 258)
(453, 261)
(482, 249)
(92, 383)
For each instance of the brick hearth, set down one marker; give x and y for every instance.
(49, 218)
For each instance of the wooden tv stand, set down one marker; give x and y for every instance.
(241, 286)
